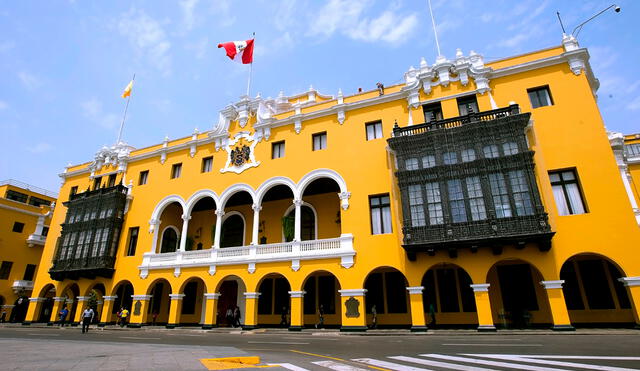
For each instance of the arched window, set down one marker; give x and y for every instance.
(232, 233)
(169, 240)
(307, 223)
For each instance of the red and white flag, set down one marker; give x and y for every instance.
(239, 51)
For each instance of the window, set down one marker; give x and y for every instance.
(374, 130)
(319, 141)
(29, 272)
(432, 112)
(540, 97)
(632, 150)
(133, 241)
(45, 231)
(467, 105)
(428, 161)
(520, 190)
(450, 158)
(456, 201)
(97, 181)
(144, 176)
(380, 214)
(277, 150)
(500, 195)
(490, 151)
(16, 196)
(5, 269)
(18, 227)
(468, 155)
(207, 164)
(411, 164)
(37, 201)
(476, 200)
(434, 203)
(112, 180)
(510, 148)
(73, 191)
(566, 192)
(415, 204)
(176, 170)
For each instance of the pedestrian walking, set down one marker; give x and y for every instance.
(87, 317)
(124, 314)
(229, 316)
(374, 316)
(320, 323)
(63, 316)
(236, 316)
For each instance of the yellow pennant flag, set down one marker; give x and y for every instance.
(127, 90)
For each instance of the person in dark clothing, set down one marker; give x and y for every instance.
(283, 317)
(320, 323)
(229, 317)
(236, 316)
(63, 316)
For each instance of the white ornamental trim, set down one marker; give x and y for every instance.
(141, 297)
(352, 292)
(630, 281)
(480, 287)
(297, 294)
(229, 167)
(252, 295)
(177, 296)
(548, 285)
(212, 296)
(83, 298)
(415, 290)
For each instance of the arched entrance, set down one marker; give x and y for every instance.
(160, 303)
(387, 296)
(274, 227)
(169, 242)
(48, 293)
(70, 293)
(170, 226)
(231, 291)
(233, 231)
(192, 309)
(321, 291)
(518, 300)
(202, 225)
(274, 301)
(96, 302)
(123, 290)
(593, 294)
(322, 193)
(448, 298)
(308, 226)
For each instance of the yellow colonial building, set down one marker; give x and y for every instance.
(474, 194)
(25, 215)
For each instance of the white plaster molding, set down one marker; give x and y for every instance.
(480, 287)
(163, 151)
(37, 300)
(630, 281)
(212, 296)
(295, 265)
(199, 195)
(177, 296)
(82, 298)
(252, 295)
(344, 199)
(297, 294)
(212, 270)
(141, 297)
(549, 285)
(251, 267)
(233, 189)
(176, 272)
(144, 273)
(59, 299)
(248, 163)
(193, 144)
(415, 290)
(352, 292)
(110, 298)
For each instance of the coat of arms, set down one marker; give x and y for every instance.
(240, 153)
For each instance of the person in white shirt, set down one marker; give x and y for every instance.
(87, 317)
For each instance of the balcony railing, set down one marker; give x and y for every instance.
(36, 240)
(340, 247)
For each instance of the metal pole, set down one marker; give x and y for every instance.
(125, 113)
(579, 27)
(251, 67)
(560, 20)
(435, 33)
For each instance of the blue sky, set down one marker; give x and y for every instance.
(64, 64)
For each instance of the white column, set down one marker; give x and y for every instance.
(153, 228)
(183, 234)
(256, 224)
(298, 221)
(219, 215)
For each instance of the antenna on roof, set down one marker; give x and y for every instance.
(560, 20)
(435, 33)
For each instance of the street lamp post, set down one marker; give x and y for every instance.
(579, 27)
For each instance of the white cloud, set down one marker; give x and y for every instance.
(188, 15)
(199, 47)
(285, 15)
(3, 105)
(347, 17)
(29, 81)
(148, 38)
(92, 110)
(634, 105)
(39, 148)
(221, 9)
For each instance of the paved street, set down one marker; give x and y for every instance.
(53, 348)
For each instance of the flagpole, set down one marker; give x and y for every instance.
(251, 67)
(125, 113)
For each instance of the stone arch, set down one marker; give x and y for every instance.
(447, 297)
(197, 196)
(45, 308)
(274, 300)
(162, 237)
(593, 293)
(192, 309)
(229, 192)
(321, 288)
(160, 206)
(231, 289)
(244, 226)
(517, 296)
(123, 289)
(46, 289)
(387, 290)
(159, 290)
(270, 183)
(321, 173)
(291, 209)
(71, 291)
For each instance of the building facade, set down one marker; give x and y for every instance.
(472, 194)
(25, 215)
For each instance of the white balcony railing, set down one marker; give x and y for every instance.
(36, 240)
(20, 285)
(340, 247)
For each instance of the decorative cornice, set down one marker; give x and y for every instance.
(212, 296)
(141, 297)
(480, 287)
(252, 295)
(630, 281)
(297, 294)
(352, 292)
(548, 285)
(177, 296)
(415, 290)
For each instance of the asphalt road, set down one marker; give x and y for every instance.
(320, 350)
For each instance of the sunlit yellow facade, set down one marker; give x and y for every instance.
(300, 210)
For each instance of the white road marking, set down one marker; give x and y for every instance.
(454, 366)
(276, 342)
(552, 363)
(494, 345)
(388, 365)
(514, 366)
(288, 366)
(44, 334)
(338, 366)
(606, 358)
(137, 338)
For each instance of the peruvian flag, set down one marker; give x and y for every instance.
(239, 51)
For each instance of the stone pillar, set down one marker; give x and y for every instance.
(34, 308)
(107, 308)
(483, 307)
(139, 311)
(418, 322)
(82, 303)
(633, 288)
(251, 310)
(297, 310)
(211, 310)
(354, 313)
(154, 225)
(58, 302)
(558, 305)
(298, 221)
(183, 233)
(219, 215)
(175, 310)
(256, 224)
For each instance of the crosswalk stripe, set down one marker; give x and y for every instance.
(288, 366)
(388, 365)
(552, 363)
(338, 366)
(555, 356)
(488, 363)
(454, 366)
